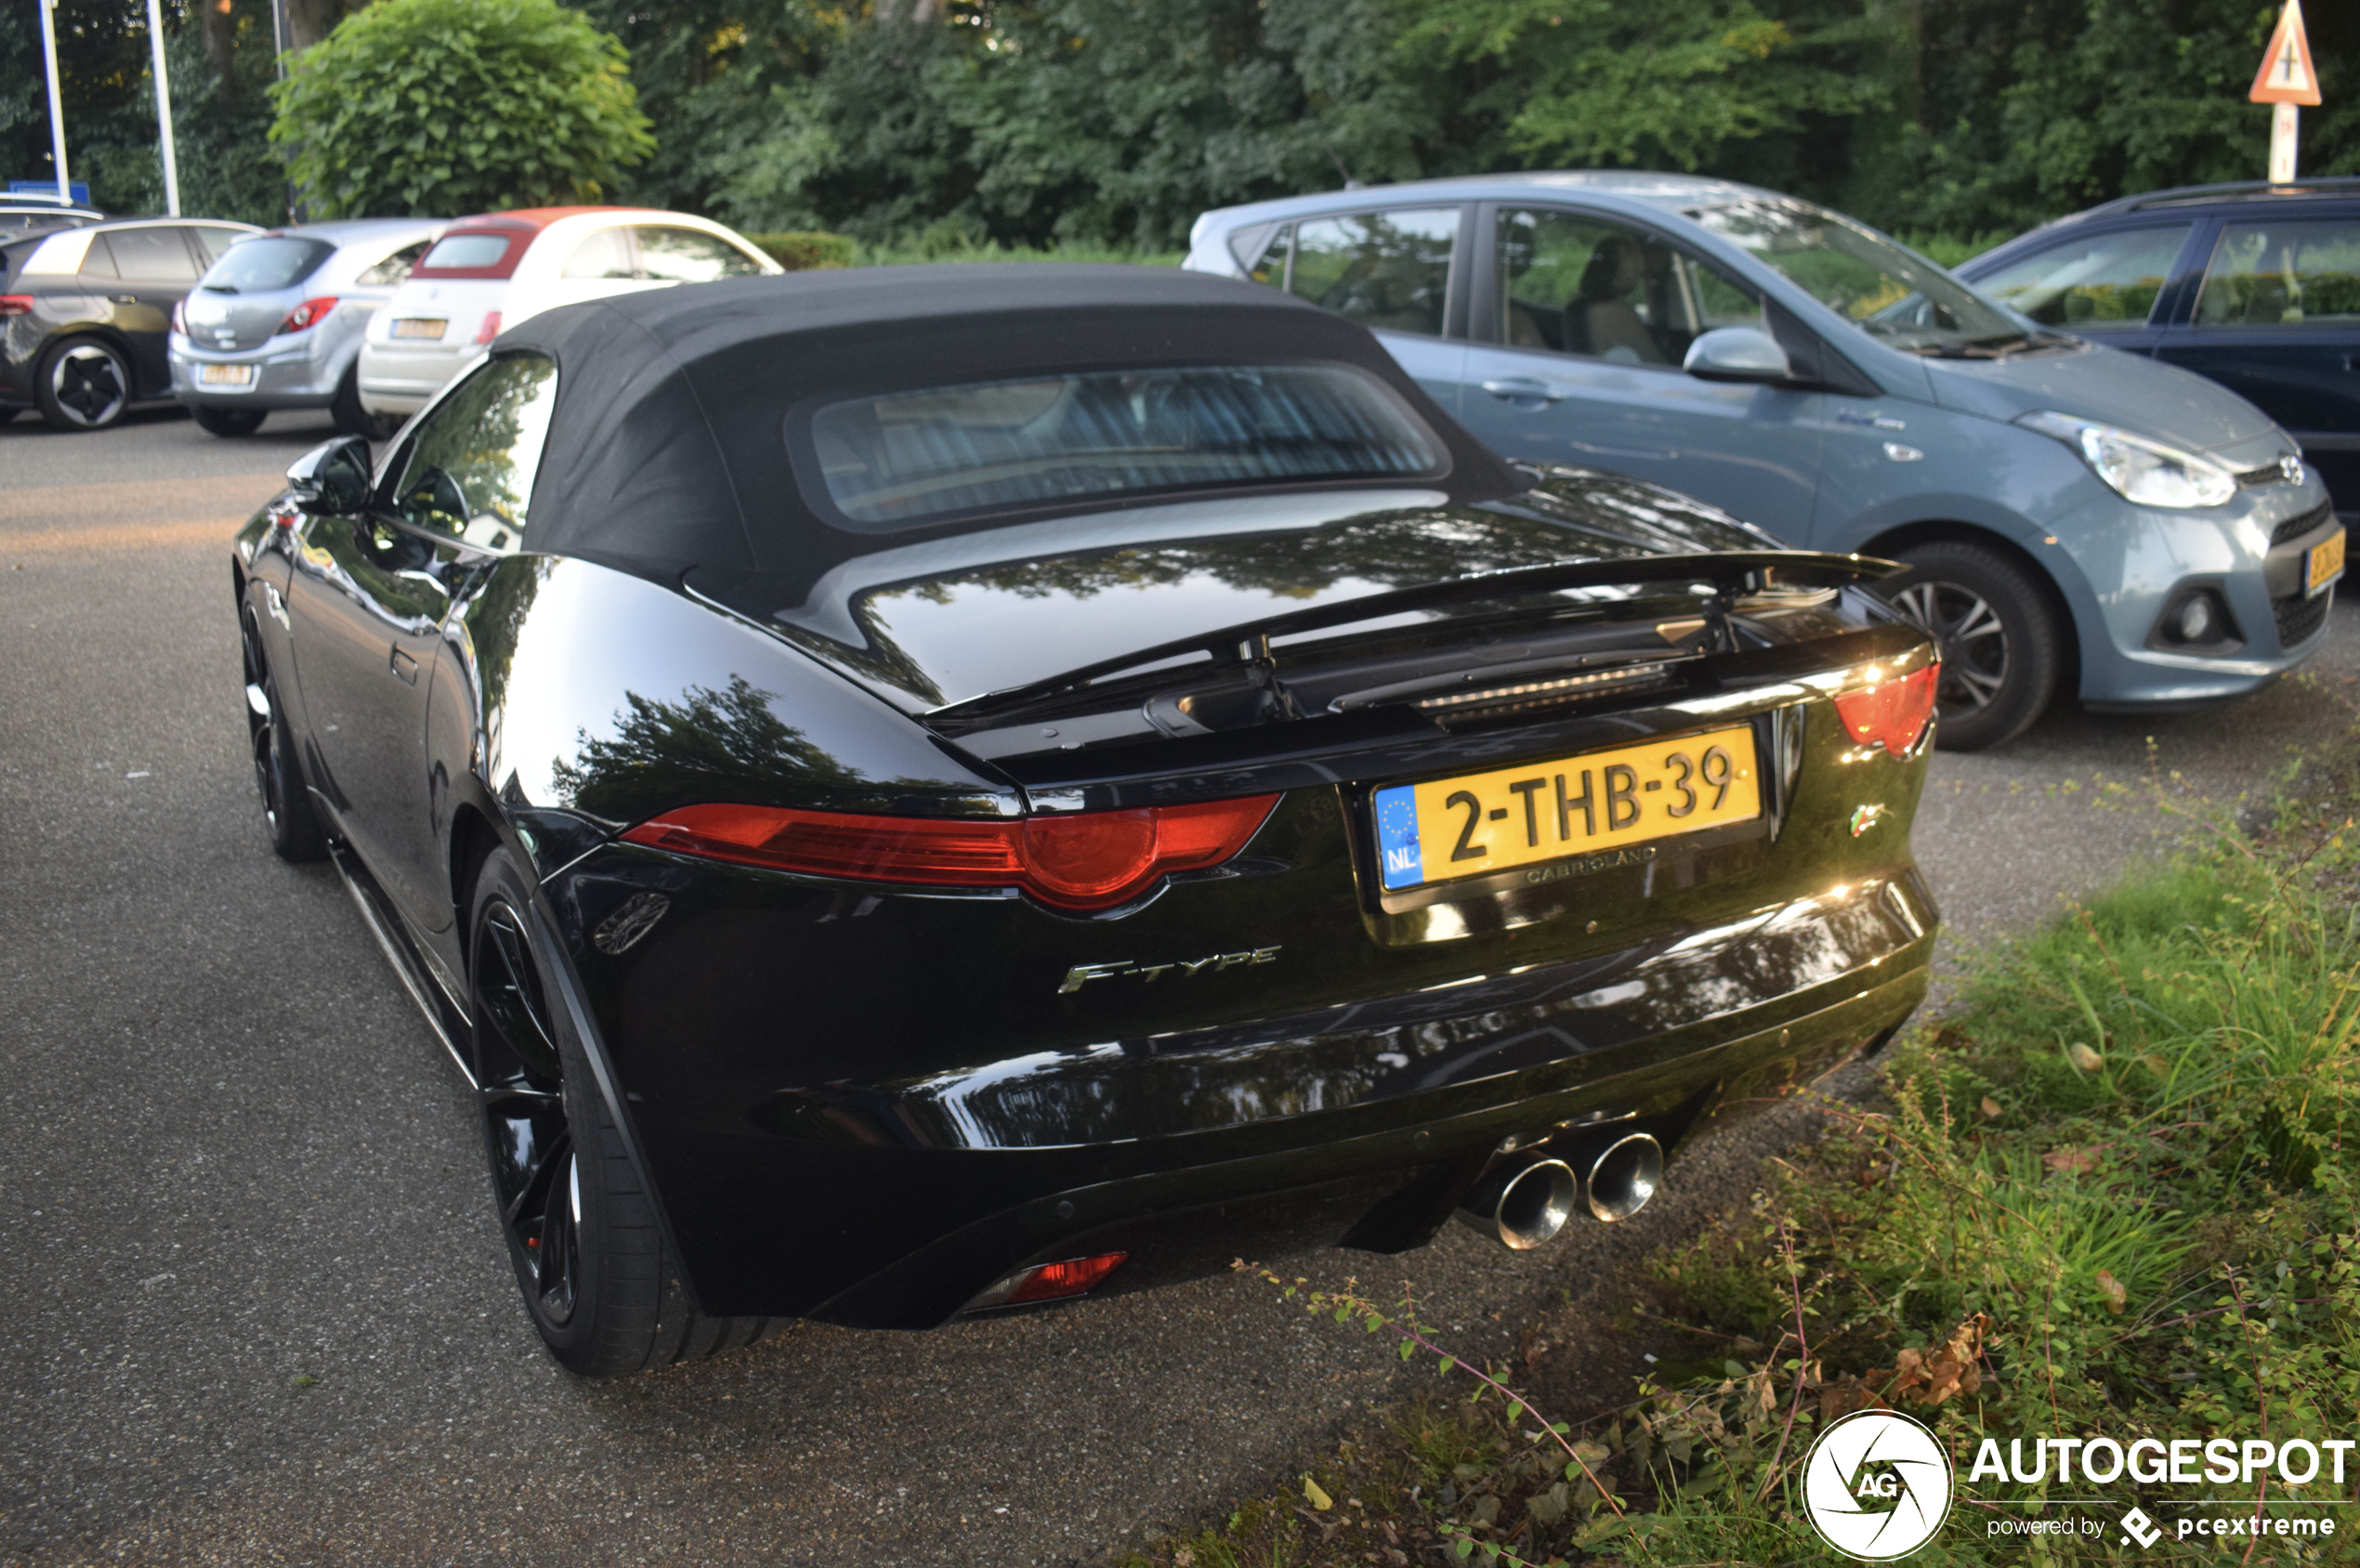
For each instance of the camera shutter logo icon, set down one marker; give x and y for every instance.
(1877, 1485)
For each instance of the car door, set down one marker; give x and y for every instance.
(1395, 271)
(1579, 324)
(2276, 320)
(2110, 285)
(368, 599)
(153, 268)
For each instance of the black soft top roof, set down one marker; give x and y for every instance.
(668, 451)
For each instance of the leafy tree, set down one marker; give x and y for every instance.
(458, 106)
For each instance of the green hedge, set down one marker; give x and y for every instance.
(805, 251)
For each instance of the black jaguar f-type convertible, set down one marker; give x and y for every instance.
(927, 792)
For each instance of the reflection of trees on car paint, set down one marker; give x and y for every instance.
(663, 752)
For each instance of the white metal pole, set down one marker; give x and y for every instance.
(2284, 122)
(56, 110)
(163, 109)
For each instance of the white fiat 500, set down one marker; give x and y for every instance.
(488, 273)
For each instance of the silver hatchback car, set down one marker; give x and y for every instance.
(278, 322)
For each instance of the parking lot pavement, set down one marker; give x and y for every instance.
(257, 1310)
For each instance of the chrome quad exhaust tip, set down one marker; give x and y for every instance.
(1620, 1181)
(1523, 1205)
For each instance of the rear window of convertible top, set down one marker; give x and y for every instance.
(911, 459)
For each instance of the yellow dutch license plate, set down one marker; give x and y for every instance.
(419, 326)
(1479, 823)
(2326, 564)
(225, 375)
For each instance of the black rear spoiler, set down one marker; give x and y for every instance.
(1731, 572)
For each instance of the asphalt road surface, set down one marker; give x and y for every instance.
(256, 1309)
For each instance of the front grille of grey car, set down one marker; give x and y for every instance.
(2254, 478)
(2296, 527)
(2299, 617)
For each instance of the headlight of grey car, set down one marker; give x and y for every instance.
(2144, 472)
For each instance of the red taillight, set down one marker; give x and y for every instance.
(14, 305)
(308, 314)
(1047, 1282)
(1893, 714)
(491, 328)
(1079, 860)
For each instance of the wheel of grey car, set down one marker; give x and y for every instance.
(2001, 647)
(83, 384)
(354, 420)
(229, 421)
(599, 1282)
(288, 814)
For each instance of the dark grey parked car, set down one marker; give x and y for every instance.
(278, 322)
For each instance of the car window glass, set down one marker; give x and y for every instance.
(2283, 275)
(159, 254)
(215, 240)
(898, 460)
(98, 260)
(1383, 270)
(1578, 285)
(393, 268)
(468, 251)
(270, 262)
(2095, 282)
(1267, 264)
(689, 256)
(1900, 299)
(604, 253)
(467, 471)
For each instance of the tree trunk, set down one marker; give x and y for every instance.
(220, 35)
(308, 21)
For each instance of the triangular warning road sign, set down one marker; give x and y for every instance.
(2285, 76)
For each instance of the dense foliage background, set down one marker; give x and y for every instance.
(942, 123)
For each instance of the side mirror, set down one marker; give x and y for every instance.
(333, 476)
(1736, 353)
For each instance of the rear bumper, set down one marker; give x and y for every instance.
(302, 377)
(885, 1198)
(401, 380)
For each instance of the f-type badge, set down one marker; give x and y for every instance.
(1081, 975)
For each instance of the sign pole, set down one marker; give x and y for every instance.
(163, 110)
(2285, 81)
(56, 110)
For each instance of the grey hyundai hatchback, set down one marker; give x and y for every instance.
(277, 321)
(2068, 513)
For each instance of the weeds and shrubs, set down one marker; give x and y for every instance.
(2112, 1192)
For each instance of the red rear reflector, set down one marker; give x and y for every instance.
(20, 305)
(1894, 713)
(308, 314)
(491, 328)
(1048, 1282)
(1080, 860)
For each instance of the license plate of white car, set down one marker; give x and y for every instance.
(225, 375)
(419, 326)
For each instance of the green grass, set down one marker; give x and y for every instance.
(2117, 1180)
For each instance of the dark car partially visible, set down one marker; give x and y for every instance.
(2254, 285)
(929, 792)
(86, 315)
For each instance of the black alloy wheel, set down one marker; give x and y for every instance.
(288, 815)
(352, 419)
(601, 1286)
(229, 421)
(83, 384)
(2002, 649)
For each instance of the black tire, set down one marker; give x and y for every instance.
(2001, 646)
(83, 384)
(288, 815)
(228, 421)
(600, 1286)
(352, 419)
